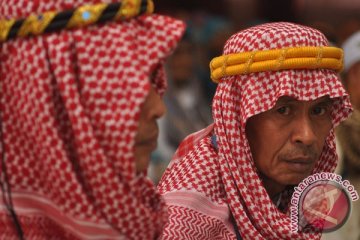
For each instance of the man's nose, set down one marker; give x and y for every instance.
(303, 131)
(159, 107)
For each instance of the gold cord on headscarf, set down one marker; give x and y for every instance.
(275, 60)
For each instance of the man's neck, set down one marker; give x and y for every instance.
(272, 188)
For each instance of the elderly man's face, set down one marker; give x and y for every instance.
(146, 138)
(287, 140)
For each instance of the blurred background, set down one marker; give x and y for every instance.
(209, 24)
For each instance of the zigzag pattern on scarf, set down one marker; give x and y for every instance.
(191, 224)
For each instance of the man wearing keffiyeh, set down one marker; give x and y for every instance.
(80, 94)
(278, 100)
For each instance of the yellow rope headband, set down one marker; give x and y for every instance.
(276, 59)
(79, 17)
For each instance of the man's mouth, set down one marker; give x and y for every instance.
(149, 140)
(300, 164)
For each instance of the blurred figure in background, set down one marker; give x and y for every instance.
(190, 92)
(187, 107)
(348, 136)
(351, 78)
(210, 34)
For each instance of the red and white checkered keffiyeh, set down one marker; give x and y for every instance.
(70, 104)
(209, 190)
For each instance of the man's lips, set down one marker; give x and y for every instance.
(149, 140)
(301, 160)
(299, 164)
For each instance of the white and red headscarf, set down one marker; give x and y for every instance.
(211, 189)
(70, 104)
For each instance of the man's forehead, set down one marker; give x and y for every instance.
(289, 99)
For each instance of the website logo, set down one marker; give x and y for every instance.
(321, 203)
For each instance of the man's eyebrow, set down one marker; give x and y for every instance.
(286, 99)
(324, 100)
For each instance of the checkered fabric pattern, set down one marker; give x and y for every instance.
(208, 189)
(70, 104)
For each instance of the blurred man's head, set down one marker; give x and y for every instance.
(351, 77)
(79, 103)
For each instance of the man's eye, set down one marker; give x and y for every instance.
(283, 110)
(154, 74)
(319, 110)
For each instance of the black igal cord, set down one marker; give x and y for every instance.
(61, 19)
(5, 186)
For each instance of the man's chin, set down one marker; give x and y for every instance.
(143, 155)
(142, 163)
(295, 180)
(292, 178)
